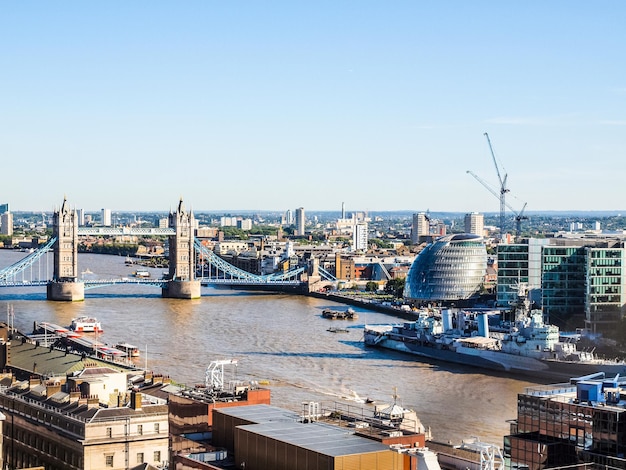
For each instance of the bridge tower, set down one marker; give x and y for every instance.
(64, 284)
(182, 275)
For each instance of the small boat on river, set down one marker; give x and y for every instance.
(337, 329)
(348, 314)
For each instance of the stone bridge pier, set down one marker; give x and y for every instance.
(66, 286)
(182, 271)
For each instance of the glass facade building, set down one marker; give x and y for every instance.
(573, 425)
(563, 285)
(451, 268)
(605, 287)
(519, 263)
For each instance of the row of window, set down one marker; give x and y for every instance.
(156, 458)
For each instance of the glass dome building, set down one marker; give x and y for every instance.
(452, 268)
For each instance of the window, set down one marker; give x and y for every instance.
(157, 456)
(140, 430)
(156, 428)
(139, 457)
(108, 459)
(109, 432)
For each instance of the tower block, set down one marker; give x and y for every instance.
(64, 284)
(182, 276)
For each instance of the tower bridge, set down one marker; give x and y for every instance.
(180, 281)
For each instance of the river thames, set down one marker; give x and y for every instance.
(278, 339)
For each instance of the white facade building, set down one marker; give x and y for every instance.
(106, 217)
(359, 237)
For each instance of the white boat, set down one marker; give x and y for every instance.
(86, 325)
(129, 349)
(143, 274)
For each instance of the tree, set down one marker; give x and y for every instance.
(371, 286)
(395, 287)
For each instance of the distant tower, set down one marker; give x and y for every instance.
(475, 223)
(420, 227)
(64, 284)
(343, 210)
(300, 221)
(182, 283)
(289, 217)
(81, 217)
(359, 237)
(106, 217)
(6, 223)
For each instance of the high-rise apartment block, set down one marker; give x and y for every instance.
(6, 224)
(420, 227)
(106, 217)
(359, 237)
(4, 208)
(475, 223)
(300, 222)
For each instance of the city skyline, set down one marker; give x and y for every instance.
(271, 107)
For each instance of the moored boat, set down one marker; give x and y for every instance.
(129, 349)
(348, 314)
(86, 325)
(141, 274)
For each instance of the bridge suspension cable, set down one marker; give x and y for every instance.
(238, 273)
(10, 271)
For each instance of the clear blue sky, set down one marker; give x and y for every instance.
(130, 105)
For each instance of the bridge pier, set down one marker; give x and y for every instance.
(181, 290)
(65, 291)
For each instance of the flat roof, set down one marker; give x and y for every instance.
(318, 437)
(285, 426)
(259, 413)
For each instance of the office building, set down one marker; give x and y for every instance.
(106, 217)
(605, 287)
(450, 269)
(6, 224)
(519, 263)
(300, 222)
(475, 223)
(4, 208)
(563, 285)
(81, 217)
(420, 227)
(580, 425)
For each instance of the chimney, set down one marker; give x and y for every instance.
(52, 388)
(74, 396)
(135, 400)
(93, 402)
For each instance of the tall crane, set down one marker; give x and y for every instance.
(503, 188)
(519, 216)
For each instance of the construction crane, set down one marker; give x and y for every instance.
(503, 188)
(519, 216)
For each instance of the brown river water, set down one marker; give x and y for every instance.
(279, 340)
